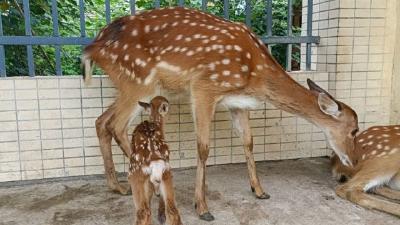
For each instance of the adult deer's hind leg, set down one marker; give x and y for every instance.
(105, 138)
(241, 123)
(167, 192)
(204, 108)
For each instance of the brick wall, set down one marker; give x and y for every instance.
(47, 129)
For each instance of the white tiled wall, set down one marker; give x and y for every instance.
(47, 129)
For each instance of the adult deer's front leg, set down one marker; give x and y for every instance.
(241, 123)
(203, 111)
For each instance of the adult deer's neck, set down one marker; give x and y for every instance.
(286, 94)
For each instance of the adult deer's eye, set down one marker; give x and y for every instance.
(354, 132)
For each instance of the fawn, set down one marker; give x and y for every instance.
(376, 160)
(149, 170)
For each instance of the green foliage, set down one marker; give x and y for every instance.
(69, 26)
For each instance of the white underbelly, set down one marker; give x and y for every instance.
(240, 102)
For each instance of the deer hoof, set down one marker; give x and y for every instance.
(161, 218)
(263, 196)
(207, 216)
(252, 189)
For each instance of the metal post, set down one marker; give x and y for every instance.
(108, 11)
(28, 32)
(132, 4)
(269, 18)
(204, 5)
(3, 72)
(226, 9)
(309, 33)
(248, 13)
(181, 3)
(54, 15)
(157, 4)
(289, 34)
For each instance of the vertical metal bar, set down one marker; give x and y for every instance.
(133, 6)
(108, 11)
(157, 4)
(248, 13)
(289, 33)
(309, 33)
(181, 3)
(269, 17)
(226, 9)
(28, 32)
(204, 5)
(54, 15)
(2, 54)
(82, 18)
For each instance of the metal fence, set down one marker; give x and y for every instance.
(29, 40)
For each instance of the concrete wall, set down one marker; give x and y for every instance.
(47, 129)
(395, 111)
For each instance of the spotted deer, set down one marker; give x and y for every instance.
(376, 160)
(218, 62)
(149, 170)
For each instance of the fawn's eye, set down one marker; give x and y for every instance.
(354, 132)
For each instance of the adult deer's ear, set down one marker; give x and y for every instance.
(328, 105)
(163, 109)
(145, 105)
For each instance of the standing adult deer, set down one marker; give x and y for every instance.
(218, 61)
(376, 160)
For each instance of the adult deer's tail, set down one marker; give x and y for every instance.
(87, 68)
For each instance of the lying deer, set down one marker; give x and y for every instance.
(149, 170)
(376, 160)
(219, 62)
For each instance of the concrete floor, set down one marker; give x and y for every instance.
(301, 193)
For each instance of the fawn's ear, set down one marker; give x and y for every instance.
(145, 105)
(163, 109)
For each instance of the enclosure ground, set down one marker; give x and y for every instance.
(301, 193)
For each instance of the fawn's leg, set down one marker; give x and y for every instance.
(167, 192)
(388, 193)
(353, 191)
(241, 123)
(204, 108)
(141, 197)
(161, 211)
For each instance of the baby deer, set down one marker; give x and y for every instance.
(376, 160)
(149, 169)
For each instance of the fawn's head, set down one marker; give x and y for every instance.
(340, 123)
(158, 108)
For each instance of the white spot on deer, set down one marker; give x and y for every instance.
(197, 36)
(147, 28)
(373, 152)
(226, 61)
(164, 25)
(226, 73)
(184, 49)
(211, 66)
(126, 57)
(179, 37)
(125, 47)
(188, 39)
(102, 51)
(225, 84)
(199, 49)
(236, 75)
(185, 21)
(174, 24)
(259, 67)
(394, 150)
(244, 68)
(379, 146)
(190, 53)
(206, 41)
(167, 66)
(214, 76)
(370, 143)
(385, 135)
(361, 140)
(139, 46)
(213, 38)
(134, 32)
(156, 28)
(113, 58)
(115, 44)
(132, 17)
(396, 128)
(363, 156)
(193, 24)
(248, 55)
(237, 48)
(208, 49)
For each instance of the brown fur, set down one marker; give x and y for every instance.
(186, 49)
(376, 156)
(149, 146)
